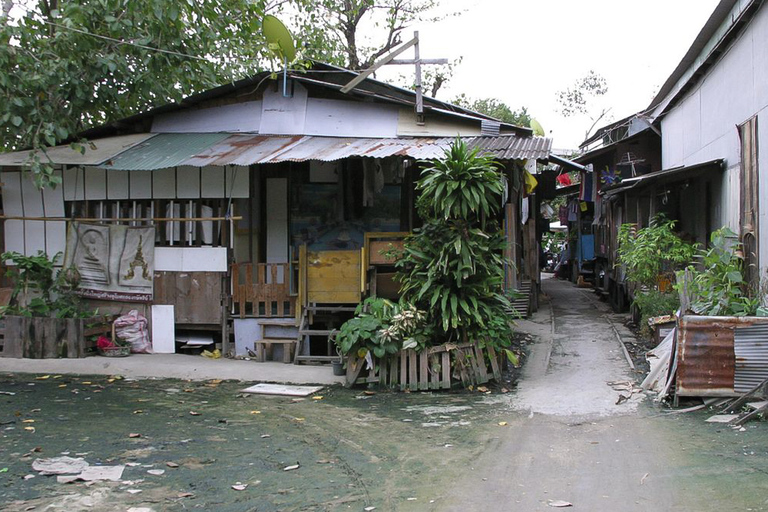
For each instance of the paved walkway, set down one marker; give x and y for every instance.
(571, 442)
(176, 366)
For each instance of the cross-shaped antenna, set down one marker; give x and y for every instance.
(417, 61)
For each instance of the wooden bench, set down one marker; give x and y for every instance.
(264, 349)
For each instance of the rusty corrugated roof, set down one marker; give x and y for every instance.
(163, 151)
(265, 149)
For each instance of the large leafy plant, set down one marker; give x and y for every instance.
(40, 291)
(383, 328)
(654, 253)
(453, 266)
(718, 286)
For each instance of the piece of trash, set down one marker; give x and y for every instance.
(482, 389)
(185, 495)
(265, 436)
(239, 487)
(9, 393)
(411, 499)
(317, 397)
(255, 412)
(448, 446)
(291, 468)
(368, 509)
(722, 418)
(369, 393)
(94, 474)
(559, 503)
(4, 470)
(156, 472)
(216, 354)
(642, 480)
(502, 423)
(282, 389)
(59, 465)
(138, 411)
(133, 464)
(27, 421)
(194, 413)
(43, 377)
(133, 491)
(298, 419)
(28, 477)
(171, 464)
(134, 435)
(31, 429)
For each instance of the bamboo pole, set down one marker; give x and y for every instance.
(124, 219)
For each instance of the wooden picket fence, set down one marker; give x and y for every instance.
(46, 338)
(435, 368)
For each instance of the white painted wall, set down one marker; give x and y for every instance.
(191, 259)
(703, 126)
(239, 117)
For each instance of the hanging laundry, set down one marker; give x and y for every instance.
(586, 191)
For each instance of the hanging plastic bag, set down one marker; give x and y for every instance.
(132, 328)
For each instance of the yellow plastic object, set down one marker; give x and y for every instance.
(216, 354)
(538, 130)
(530, 183)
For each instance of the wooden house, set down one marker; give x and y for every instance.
(694, 151)
(270, 204)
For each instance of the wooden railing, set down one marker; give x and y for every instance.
(262, 290)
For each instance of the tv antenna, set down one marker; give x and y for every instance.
(281, 44)
(417, 62)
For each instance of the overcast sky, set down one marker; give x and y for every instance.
(524, 51)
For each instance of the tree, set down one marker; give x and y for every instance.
(349, 32)
(496, 109)
(453, 267)
(579, 99)
(66, 66)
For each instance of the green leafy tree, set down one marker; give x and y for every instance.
(66, 66)
(653, 254)
(355, 33)
(453, 266)
(495, 108)
(582, 97)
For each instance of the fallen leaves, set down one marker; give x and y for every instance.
(503, 423)
(194, 413)
(134, 435)
(255, 412)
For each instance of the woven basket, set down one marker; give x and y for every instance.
(115, 351)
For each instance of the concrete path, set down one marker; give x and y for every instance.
(570, 441)
(176, 366)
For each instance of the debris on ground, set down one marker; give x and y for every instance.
(282, 390)
(59, 465)
(559, 503)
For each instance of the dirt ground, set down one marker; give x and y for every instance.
(557, 436)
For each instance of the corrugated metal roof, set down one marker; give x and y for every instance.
(265, 149)
(750, 345)
(101, 151)
(164, 150)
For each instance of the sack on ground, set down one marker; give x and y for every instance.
(132, 328)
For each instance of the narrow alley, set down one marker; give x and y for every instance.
(572, 442)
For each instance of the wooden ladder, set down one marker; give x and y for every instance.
(303, 337)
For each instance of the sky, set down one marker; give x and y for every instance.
(524, 51)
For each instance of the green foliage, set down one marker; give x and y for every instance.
(453, 266)
(718, 287)
(495, 108)
(383, 328)
(654, 252)
(355, 33)
(57, 80)
(36, 293)
(655, 303)
(553, 242)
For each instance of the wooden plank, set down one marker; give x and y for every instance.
(383, 371)
(423, 371)
(47, 331)
(12, 345)
(446, 370)
(482, 375)
(394, 371)
(413, 379)
(403, 370)
(494, 363)
(75, 341)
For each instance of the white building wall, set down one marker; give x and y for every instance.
(703, 126)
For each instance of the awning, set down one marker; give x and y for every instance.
(664, 176)
(96, 152)
(199, 150)
(147, 152)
